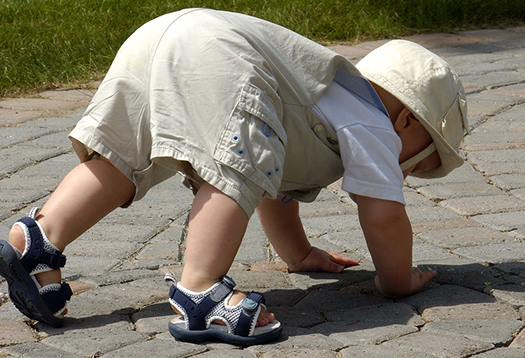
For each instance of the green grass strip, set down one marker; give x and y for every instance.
(44, 43)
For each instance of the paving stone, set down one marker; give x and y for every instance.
(471, 311)
(496, 331)
(15, 332)
(502, 353)
(298, 338)
(325, 209)
(494, 169)
(35, 350)
(82, 306)
(13, 135)
(449, 191)
(518, 193)
(8, 311)
(99, 335)
(519, 341)
(226, 353)
(126, 233)
(509, 181)
(118, 277)
(11, 117)
(443, 225)
(165, 246)
(419, 214)
(464, 237)
(504, 221)
(124, 298)
(512, 268)
(254, 247)
(464, 273)
(483, 68)
(326, 301)
(414, 198)
(106, 249)
(493, 253)
(351, 242)
(487, 204)
(500, 78)
(489, 102)
(134, 294)
(294, 317)
(342, 223)
(382, 351)
(157, 349)
(363, 332)
(24, 155)
(423, 252)
(297, 353)
(153, 319)
(42, 104)
(78, 97)
(331, 281)
(440, 345)
(480, 137)
(496, 156)
(445, 296)
(391, 313)
(513, 295)
(87, 266)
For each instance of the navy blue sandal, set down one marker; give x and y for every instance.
(199, 310)
(46, 303)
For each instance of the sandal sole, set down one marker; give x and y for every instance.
(22, 290)
(183, 334)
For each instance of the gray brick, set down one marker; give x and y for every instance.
(493, 253)
(499, 332)
(487, 204)
(503, 221)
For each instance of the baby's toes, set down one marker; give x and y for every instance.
(265, 317)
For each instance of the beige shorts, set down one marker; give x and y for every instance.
(164, 108)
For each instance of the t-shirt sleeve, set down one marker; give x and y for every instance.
(371, 159)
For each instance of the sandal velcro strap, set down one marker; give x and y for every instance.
(196, 312)
(55, 300)
(250, 307)
(38, 252)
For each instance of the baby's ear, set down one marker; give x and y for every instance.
(403, 119)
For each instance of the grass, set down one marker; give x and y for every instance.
(49, 43)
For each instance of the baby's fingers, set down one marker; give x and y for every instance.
(342, 260)
(424, 277)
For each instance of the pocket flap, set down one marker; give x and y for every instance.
(256, 102)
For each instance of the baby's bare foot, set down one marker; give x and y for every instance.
(17, 239)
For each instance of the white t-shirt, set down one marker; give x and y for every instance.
(369, 145)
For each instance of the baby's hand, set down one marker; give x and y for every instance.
(320, 260)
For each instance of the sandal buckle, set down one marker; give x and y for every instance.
(249, 306)
(228, 281)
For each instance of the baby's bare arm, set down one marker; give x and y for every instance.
(388, 235)
(283, 226)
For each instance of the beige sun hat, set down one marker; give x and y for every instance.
(430, 89)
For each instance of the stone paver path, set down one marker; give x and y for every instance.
(469, 226)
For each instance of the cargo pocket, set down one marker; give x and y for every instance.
(253, 139)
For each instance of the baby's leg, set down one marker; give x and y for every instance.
(87, 194)
(216, 227)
